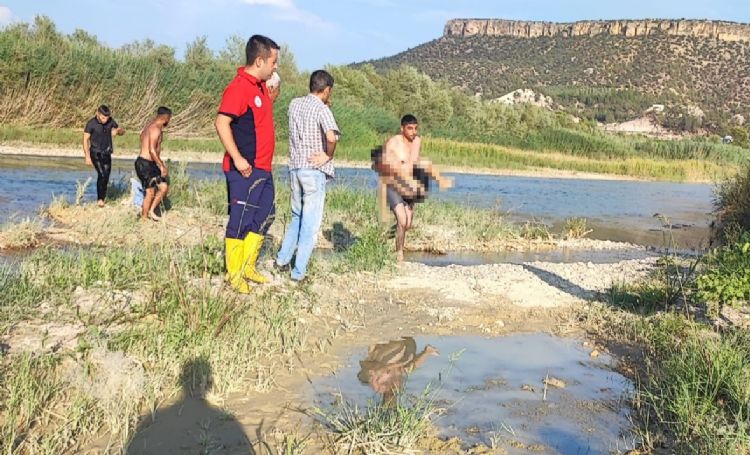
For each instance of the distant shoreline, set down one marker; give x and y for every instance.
(213, 158)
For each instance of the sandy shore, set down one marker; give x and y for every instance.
(212, 158)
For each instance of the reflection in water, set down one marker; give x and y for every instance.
(387, 364)
(494, 392)
(191, 425)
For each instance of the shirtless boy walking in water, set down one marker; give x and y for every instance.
(403, 177)
(149, 166)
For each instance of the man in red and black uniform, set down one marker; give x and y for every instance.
(245, 127)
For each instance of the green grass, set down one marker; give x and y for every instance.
(477, 155)
(575, 228)
(371, 252)
(642, 298)
(29, 386)
(696, 386)
(692, 389)
(380, 427)
(180, 316)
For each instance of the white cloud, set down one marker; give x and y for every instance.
(286, 10)
(6, 15)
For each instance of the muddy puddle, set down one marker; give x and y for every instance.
(521, 393)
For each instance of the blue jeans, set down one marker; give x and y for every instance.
(308, 197)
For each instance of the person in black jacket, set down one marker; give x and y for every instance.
(97, 148)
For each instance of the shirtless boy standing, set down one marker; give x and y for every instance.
(403, 175)
(149, 166)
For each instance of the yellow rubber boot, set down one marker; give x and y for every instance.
(252, 245)
(235, 261)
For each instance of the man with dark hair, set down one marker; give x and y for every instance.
(246, 130)
(404, 177)
(149, 166)
(313, 133)
(98, 148)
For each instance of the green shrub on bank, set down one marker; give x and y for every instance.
(697, 386)
(726, 278)
(732, 205)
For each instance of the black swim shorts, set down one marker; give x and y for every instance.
(395, 198)
(148, 173)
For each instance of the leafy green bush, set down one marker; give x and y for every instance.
(726, 279)
(732, 205)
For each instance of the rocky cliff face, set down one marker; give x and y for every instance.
(721, 30)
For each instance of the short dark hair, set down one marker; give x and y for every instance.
(163, 111)
(258, 46)
(409, 119)
(104, 110)
(319, 80)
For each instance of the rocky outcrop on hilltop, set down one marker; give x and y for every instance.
(525, 96)
(721, 30)
(607, 71)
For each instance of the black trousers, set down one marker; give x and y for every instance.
(103, 165)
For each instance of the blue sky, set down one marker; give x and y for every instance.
(335, 31)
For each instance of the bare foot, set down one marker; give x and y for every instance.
(100, 203)
(400, 256)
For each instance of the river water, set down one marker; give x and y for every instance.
(632, 211)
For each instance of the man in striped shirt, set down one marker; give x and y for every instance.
(313, 134)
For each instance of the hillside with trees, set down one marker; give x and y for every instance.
(703, 82)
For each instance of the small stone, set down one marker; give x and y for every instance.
(500, 323)
(555, 382)
(594, 354)
(473, 430)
